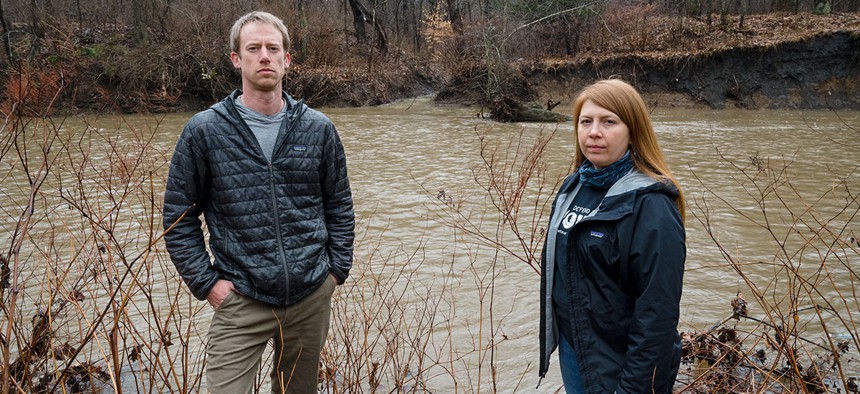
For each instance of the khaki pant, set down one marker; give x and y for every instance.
(241, 328)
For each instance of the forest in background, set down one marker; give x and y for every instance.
(171, 55)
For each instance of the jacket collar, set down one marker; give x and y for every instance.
(621, 196)
(227, 106)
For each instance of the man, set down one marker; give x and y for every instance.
(269, 176)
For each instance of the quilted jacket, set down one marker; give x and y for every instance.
(276, 228)
(627, 266)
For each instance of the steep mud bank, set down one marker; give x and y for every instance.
(821, 72)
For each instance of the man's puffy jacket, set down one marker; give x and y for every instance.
(276, 229)
(627, 267)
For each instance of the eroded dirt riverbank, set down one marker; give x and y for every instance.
(821, 72)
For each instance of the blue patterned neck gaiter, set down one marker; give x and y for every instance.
(606, 176)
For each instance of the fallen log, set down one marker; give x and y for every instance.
(510, 110)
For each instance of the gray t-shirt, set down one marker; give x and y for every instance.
(264, 127)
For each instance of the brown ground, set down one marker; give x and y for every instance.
(775, 61)
(669, 37)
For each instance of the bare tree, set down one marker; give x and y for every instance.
(361, 16)
(10, 57)
(744, 8)
(455, 17)
(36, 19)
(303, 24)
(138, 21)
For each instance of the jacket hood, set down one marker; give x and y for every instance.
(633, 181)
(617, 202)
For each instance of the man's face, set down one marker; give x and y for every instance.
(262, 58)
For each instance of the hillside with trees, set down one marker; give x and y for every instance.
(171, 55)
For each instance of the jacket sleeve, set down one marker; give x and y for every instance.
(183, 201)
(656, 269)
(338, 206)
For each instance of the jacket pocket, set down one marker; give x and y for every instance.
(599, 250)
(225, 303)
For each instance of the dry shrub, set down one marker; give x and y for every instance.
(30, 91)
(478, 66)
(634, 25)
(319, 39)
(557, 38)
(80, 264)
(382, 331)
(621, 27)
(199, 37)
(613, 27)
(796, 328)
(440, 39)
(148, 81)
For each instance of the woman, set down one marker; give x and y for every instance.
(613, 261)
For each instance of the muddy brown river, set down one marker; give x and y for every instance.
(416, 172)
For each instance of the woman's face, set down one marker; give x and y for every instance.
(602, 136)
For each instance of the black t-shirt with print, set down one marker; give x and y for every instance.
(585, 201)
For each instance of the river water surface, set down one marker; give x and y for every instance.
(411, 161)
(397, 151)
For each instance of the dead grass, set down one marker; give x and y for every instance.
(652, 35)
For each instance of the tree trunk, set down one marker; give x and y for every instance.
(456, 25)
(80, 14)
(7, 46)
(381, 37)
(455, 18)
(358, 21)
(303, 25)
(710, 10)
(417, 16)
(35, 20)
(511, 110)
(138, 21)
(486, 8)
(360, 16)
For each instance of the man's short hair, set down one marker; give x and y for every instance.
(261, 17)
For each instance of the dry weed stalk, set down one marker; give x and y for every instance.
(80, 263)
(381, 337)
(508, 218)
(798, 331)
(513, 176)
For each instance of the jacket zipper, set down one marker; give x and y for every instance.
(274, 194)
(278, 233)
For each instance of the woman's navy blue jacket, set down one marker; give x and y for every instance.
(277, 228)
(626, 273)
